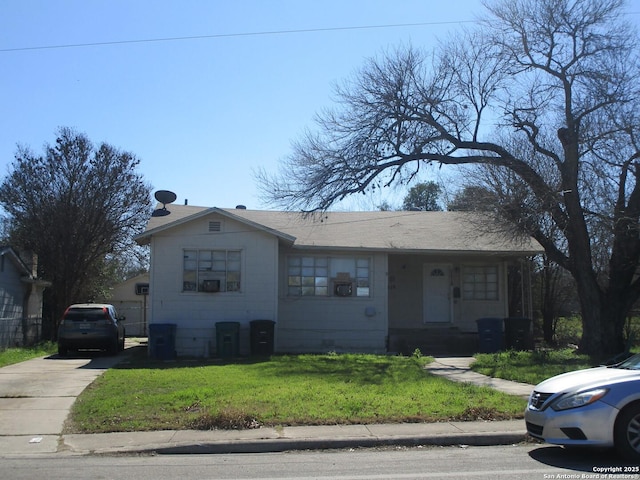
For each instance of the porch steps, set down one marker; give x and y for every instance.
(434, 341)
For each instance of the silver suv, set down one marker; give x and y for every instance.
(91, 326)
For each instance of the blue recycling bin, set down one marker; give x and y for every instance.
(162, 341)
(490, 336)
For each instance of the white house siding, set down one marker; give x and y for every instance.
(341, 324)
(196, 313)
(406, 292)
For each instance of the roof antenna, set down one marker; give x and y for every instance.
(164, 197)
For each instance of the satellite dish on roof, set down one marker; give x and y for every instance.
(164, 197)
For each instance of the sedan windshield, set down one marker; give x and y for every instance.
(632, 363)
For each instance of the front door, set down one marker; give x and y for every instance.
(436, 293)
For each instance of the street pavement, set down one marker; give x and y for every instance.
(36, 396)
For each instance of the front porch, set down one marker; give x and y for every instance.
(435, 302)
(434, 341)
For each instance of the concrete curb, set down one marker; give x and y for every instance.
(328, 444)
(297, 438)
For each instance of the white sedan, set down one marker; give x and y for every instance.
(593, 407)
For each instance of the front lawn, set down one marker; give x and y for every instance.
(530, 367)
(9, 356)
(284, 390)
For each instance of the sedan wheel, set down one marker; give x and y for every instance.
(627, 432)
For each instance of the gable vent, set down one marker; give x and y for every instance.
(215, 226)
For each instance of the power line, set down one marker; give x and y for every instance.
(241, 34)
(231, 35)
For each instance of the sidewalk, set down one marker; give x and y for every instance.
(298, 438)
(292, 438)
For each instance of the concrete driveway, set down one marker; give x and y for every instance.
(36, 396)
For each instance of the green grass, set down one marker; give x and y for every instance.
(530, 367)
(20, 354)
(284, 390)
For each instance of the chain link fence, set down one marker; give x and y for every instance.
(18, 331)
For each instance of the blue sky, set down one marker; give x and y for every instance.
(202, 113)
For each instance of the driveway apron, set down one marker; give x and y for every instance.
(36, 395)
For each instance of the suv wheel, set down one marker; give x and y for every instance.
(112, 349)
(62, 350)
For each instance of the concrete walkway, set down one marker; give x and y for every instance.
(35, 398)
(458, 369)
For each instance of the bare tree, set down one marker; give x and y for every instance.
(560, 76)
(77, 206)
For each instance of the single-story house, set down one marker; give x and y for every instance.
(381, 281)
(20, 298)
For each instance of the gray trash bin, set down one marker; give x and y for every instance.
(227, 339)
(518, 334)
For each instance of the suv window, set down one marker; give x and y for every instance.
(86, 314)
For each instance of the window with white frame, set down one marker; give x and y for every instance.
(309, 275)
(480, 282)
(211, 271)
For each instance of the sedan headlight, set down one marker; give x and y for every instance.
(576, 400)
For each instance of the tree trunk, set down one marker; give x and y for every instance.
(547, 326)
(548, 301)
(591, 309)
(614, 314)
(603, 319)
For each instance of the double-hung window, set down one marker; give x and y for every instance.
(322, 276)
(480, 282)
(308, 276)
(211, 270)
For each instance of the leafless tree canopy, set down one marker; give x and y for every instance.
(75, 206)
(547, 93)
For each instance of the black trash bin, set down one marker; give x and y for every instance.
(490, 337)
(262, 337)
(162, 341)
(518, 334)
(227, 339)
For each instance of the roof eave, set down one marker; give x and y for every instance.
(145, 237)
(413, 251)
(277, 233)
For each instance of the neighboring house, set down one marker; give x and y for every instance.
(130, 299)
(339, 281)
(21, 299)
